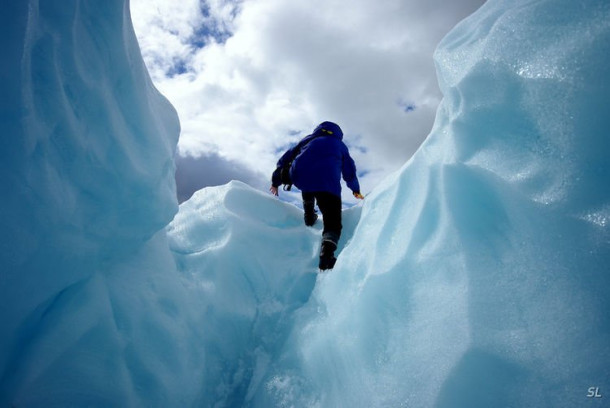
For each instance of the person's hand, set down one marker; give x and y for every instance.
(358, 195)
(273, 190)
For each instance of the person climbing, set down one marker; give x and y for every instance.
(315, 166)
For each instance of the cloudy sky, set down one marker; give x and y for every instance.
(249, 78)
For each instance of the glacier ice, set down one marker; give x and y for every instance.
(248, 263)
(478, 275)
(475, 276)
(87, 189)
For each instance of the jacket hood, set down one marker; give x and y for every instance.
(329, 128)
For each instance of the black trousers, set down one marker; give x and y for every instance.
(330, 207)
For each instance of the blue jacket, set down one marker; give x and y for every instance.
(320, 164)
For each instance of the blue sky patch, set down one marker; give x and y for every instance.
(205, 34)
(407, 106)
(213, 29)
(178, 68)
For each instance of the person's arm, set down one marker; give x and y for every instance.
(276, 178)
(348, 171)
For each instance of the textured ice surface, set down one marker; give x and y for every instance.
(476, 276)
(87, 281)
(248, 263)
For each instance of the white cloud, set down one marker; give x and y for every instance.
(246, 76)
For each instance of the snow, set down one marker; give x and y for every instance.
(475, 276)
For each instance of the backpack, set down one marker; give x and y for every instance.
(285, 177)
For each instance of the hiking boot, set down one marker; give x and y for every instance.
(327, 255)
(310, 218)
(327, 263)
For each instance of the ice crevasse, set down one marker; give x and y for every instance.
(475, 276)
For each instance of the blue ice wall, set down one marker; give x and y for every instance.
(87, 184)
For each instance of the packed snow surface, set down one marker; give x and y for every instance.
(476, 276)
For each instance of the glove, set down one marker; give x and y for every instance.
(358, 195)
